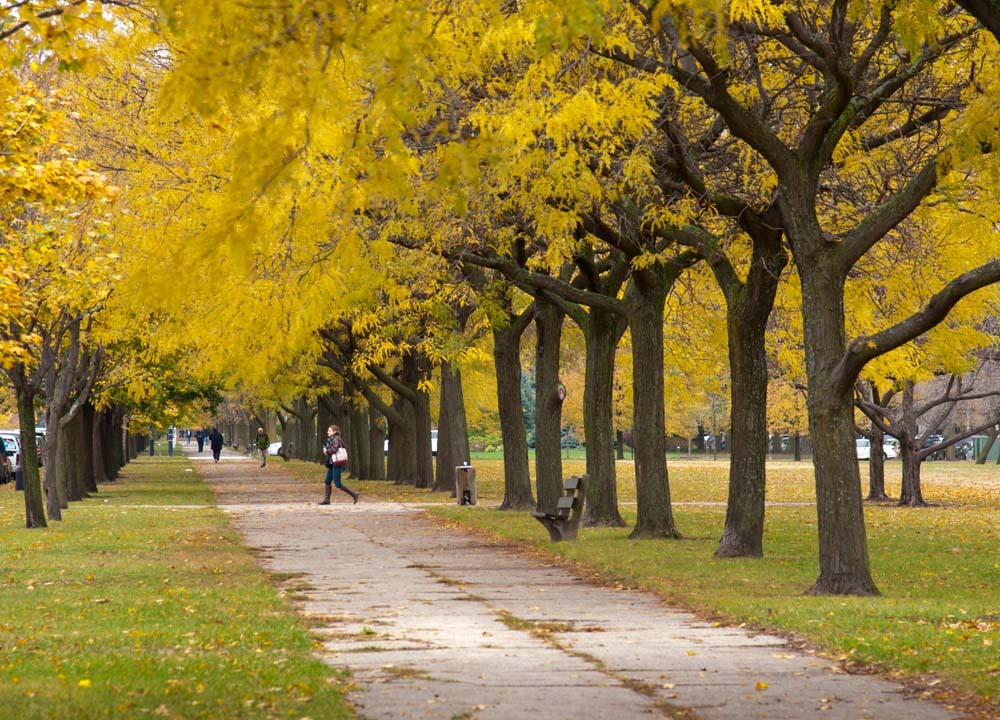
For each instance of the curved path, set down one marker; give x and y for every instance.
(436, 624)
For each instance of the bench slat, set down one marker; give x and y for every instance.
(566, 502)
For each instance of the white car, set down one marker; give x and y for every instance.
(274, 448)
(863, 449)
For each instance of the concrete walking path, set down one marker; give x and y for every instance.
(434, 623)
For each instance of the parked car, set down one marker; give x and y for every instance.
(39, 444)
(12, 448)
(6, 466)
(863, 449)
(274, 448)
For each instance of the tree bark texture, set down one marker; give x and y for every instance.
(53, 460)
(402, 461)
(76, 459)
(910, 494)
(602, 331)
(325, 417)
(34, 505)
(416, 370)
(101, 441)
(360, 453)
(843, 550)
(654, 517)
(453, 429)
(376, 443)
(548, 405)
(876, 466)
(743, 533)
(506, 356)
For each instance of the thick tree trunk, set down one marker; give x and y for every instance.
(987, 446)
(743, 534)
(305, 413)
(453, 431)
(843, 549)
(748, 307)
(100, 439)
(506, 356)
(75, 460)
(416, 370)
(34, 506)
(876, 467)
(654, 517)
(602, 331)
(360, 453)
(548, 405)
(53, 461)
(910, 494)
(376, 445)
(402, 461)
(325, 417)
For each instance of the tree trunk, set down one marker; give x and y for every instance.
(100, 440)
(34, 506)
(325, 417)
(360, 453)
(416, 370)
(910, 494)
(53, 461)
(876, 467)
(548, 405)
(506, 356)
(376, 444)
(62, 466)
(987, 446)
(75, 459)
(655, 517)
(843, 550)
(402, 443)
(602, 331)
(453, 430)
(743, 534)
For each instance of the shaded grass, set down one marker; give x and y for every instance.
(123, 611)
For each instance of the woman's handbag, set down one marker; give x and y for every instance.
(339, 457)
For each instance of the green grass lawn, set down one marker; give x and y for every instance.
(125, 610)
(936, 623)
(144, 603)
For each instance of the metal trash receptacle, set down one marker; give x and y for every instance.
(465, 484)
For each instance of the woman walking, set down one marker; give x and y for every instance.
(334, 466)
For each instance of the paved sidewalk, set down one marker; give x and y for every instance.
(436, 624)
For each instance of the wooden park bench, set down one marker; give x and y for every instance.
(564, 523)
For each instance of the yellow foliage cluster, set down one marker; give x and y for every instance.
(52, 219)
(278, 155)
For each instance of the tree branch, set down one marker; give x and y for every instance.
(866, 348)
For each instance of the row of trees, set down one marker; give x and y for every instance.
(356, 199)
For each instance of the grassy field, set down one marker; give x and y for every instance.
(138, 606)
(135, 606)
(936, 624)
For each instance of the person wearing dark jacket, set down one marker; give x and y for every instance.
(262, 443)
(215, 441)
(335, 467)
